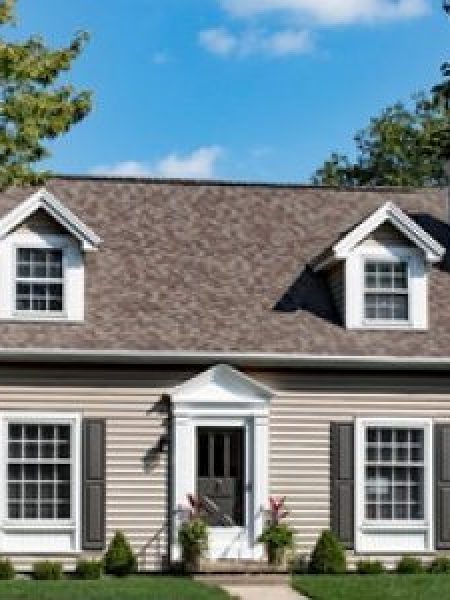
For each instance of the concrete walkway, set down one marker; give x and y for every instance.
(263, 592)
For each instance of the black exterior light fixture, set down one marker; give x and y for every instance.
(446, 6)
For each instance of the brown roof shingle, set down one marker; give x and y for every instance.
(223, 267)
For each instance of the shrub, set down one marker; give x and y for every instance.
(441, 564)
(89, 569)
(409, 565)
(370, 567)
(119, 558)
(7, 570)
(46, 569)
(298, 565)
(328, 556)
(193, 539)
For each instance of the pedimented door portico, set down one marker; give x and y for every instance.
(220, 452)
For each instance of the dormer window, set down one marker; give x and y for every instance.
(386, 291)
(39, 280)
(42, 261)
(378, 271)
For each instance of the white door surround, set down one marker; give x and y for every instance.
(222, 397)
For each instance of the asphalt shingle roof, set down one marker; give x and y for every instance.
(222, 267)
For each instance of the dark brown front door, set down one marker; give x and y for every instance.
(220, 475)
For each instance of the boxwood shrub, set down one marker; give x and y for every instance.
(410, 565)
(370, 567)
(119, 558)
(441, 564)
(328, 556)
(89, 569)
(7, 570)
(46, 569)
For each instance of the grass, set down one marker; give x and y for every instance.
(373, 587)
(130, 588)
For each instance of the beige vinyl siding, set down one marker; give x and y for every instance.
(136, 473)
(300, 448)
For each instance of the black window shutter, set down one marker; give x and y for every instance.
(342, 482)
(93, 513)
(442, 485)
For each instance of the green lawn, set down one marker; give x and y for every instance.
(374, 587)
(133, 588)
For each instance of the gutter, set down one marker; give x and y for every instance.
(238, 359)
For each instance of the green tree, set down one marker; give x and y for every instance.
(34, 108)
(401, 146)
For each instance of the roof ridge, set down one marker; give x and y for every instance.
(237, 183)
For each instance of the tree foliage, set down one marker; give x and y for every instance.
(34, 108)
(403, 145)
(400, 147)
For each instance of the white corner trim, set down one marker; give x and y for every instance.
(391, 213)
(43, 199)
(46, 536)
(393, 536)
(223, 397)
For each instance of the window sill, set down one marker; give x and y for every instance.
(38, 526)
(53, 320)
(386, 526)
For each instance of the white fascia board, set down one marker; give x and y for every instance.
(254, 359)
(43, 199)
(391, 213)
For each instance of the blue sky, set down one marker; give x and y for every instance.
(241, 89)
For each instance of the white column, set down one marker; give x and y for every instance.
(183, 466)
(261, 477)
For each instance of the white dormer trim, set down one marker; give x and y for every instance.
(43, 199)
(390, 213)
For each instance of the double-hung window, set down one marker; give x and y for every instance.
(39, 281)
(393, 485)
(386, 291)
(394, 474)
(39, 471)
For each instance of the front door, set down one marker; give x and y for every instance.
(220, 475)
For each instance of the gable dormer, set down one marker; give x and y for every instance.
(378, 271)
(42, 247)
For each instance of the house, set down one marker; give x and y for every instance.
(234, 341)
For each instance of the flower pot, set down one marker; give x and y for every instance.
(191, 560)
(276, 555)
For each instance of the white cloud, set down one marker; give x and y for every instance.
(200, 163)
(331, 12)
(284, 42)
(218, 41)
(127, 168)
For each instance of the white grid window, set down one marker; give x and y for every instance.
(39, 471)
(39, 280)
(386, 294)
(394, 473)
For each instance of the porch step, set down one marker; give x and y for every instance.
(244, 579)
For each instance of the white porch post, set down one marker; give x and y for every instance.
(261, 478)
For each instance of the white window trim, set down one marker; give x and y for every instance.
(364, 528)
(367, 322)
(50, 526)
(73, 274)
(417, 287)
